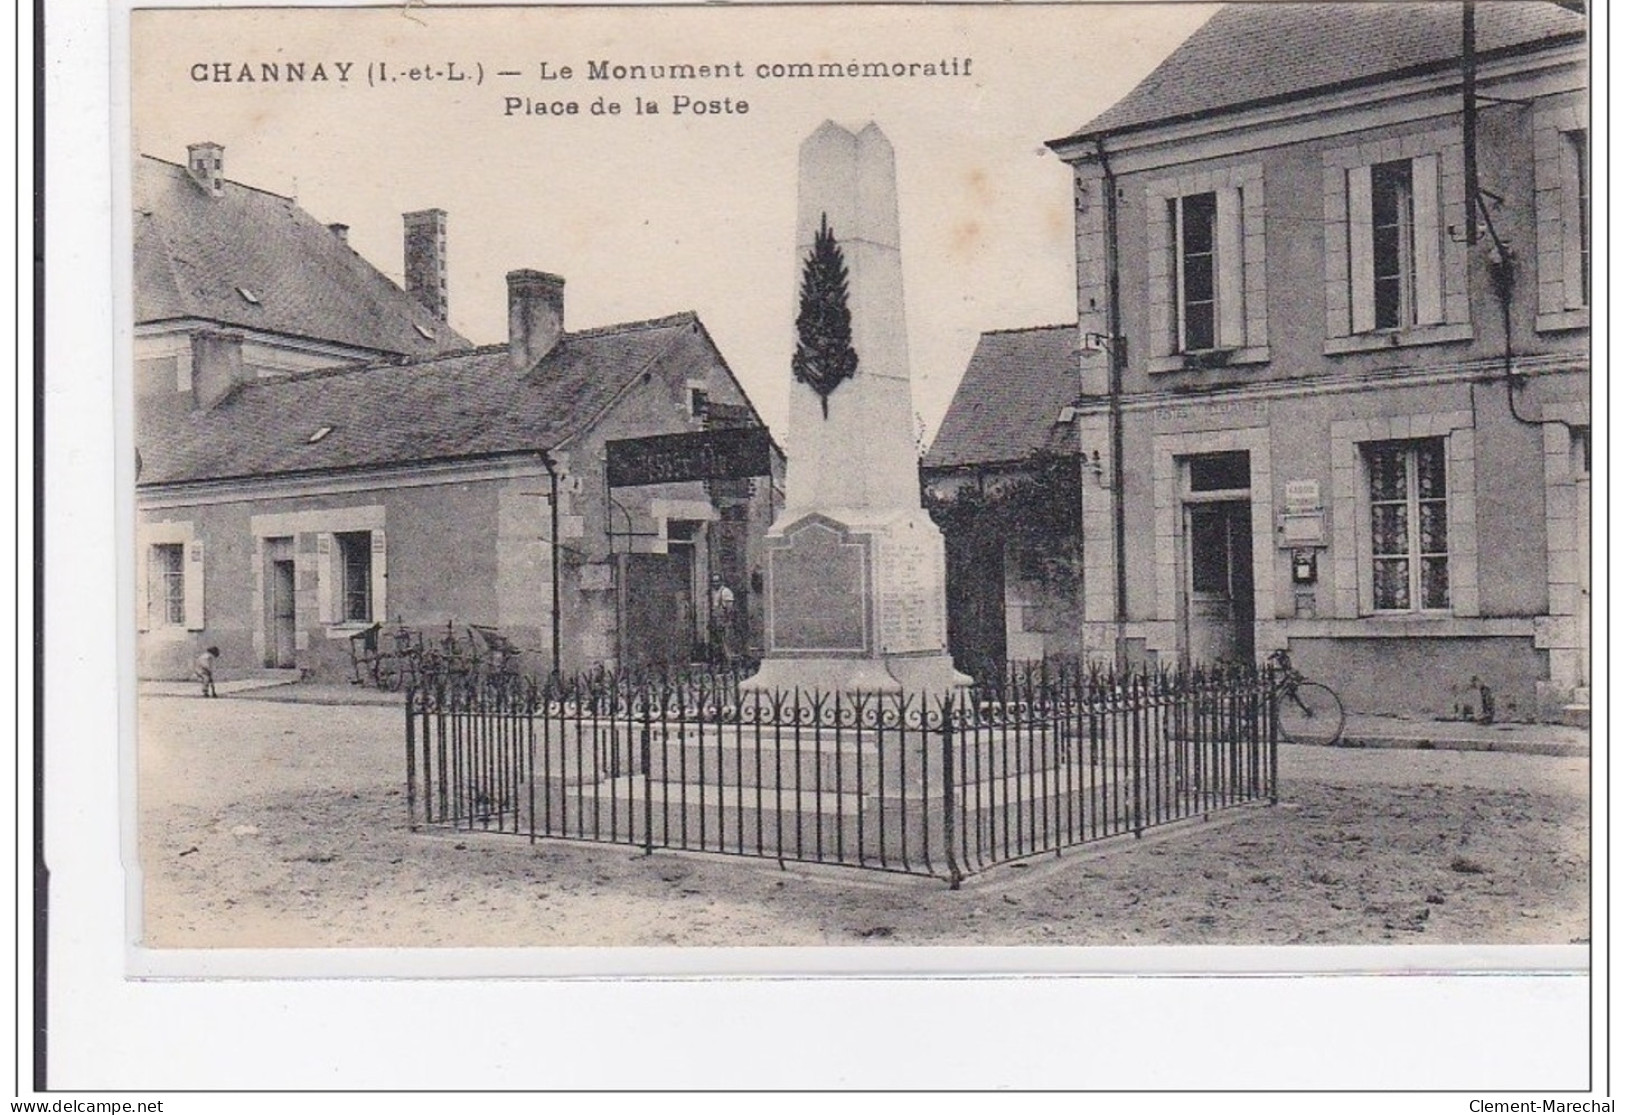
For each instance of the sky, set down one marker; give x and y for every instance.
(648, 215)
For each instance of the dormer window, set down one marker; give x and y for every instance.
(248, 296)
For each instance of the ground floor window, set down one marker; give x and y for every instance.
(167, 588)
(1410, 564)
(355, 579)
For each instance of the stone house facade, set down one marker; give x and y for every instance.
(1354, 414)
(214, 256)
(279, 513)
(1340, 408)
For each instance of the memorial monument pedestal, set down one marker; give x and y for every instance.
(855, 604)
(856, 583)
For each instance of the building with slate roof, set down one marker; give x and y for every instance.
(216, 261)
(1340, 394)
(1012, 408)
(413, 478)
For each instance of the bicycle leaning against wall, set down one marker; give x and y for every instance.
(1306, 711)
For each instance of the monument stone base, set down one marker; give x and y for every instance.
(898, 673)
(855, 604)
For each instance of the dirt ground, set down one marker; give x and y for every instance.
(267, 825)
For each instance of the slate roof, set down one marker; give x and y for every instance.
(1251, 53)
(1006, 405)
(469, 404)
(192, 252)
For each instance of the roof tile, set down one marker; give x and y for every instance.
(464, 405)
(193, 252)
(1256, 52)
(1006, 405)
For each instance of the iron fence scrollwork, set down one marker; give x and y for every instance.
(1033, 761)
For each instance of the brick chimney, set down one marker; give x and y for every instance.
(207, 162)
(535, 316)
(217, 366)
(342, 231)
(426, 259)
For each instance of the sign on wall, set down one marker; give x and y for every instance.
(672, 458)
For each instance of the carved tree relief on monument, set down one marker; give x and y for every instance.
(824, 354)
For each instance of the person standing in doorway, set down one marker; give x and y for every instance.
(723, 621)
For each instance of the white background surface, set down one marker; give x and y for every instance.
(1474, 1033)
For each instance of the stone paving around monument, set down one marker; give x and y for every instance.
(268, 824)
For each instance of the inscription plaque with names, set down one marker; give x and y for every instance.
(911, 590)
(818, 599)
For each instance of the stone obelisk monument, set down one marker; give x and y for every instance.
(855, 567)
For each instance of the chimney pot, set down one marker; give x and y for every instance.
(426, 259)
(207, 163)
(535, 316)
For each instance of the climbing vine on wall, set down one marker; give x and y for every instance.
(1036, 508)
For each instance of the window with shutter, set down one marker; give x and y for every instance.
(1207, 295)
(1196, 281)
(1562, 218)
(379, 577)
(1394, 244)
(1393, 276)
(166, 585)
(326, 578)
(192, 586)
(355, 576)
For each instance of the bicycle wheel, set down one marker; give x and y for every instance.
(1309, 713)
(389, 674)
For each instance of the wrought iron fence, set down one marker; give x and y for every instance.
(936, 784)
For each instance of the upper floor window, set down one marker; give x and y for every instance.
(1207, 294)
(1196, 232)
(1579, 174)
(1393, 246)
(1393, 275)
(1563, 218)
(1394, 279)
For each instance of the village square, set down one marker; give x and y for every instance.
(1248, 605)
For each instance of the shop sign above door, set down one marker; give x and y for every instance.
(733, 454)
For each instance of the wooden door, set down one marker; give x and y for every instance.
(1219, 581)
(659, 609)
(280, 613)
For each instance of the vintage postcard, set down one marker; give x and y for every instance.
(860, 477)
(984, 491)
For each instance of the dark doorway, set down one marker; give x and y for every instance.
(975, 591)
(730, 560)
(659, 610)
(1219, 587)
(280, 620)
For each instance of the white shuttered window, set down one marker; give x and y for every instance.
(1395, 266)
